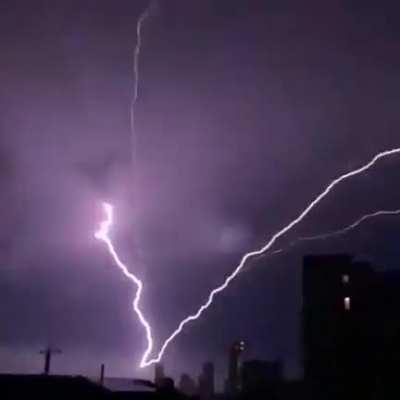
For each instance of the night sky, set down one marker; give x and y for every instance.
(246, 110)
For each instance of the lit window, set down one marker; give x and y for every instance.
(347, 303)
(345, 278)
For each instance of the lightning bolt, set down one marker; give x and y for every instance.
(262, 250)
(147, 13)
(103, 234)
(348, 228)
(136, 71)
(338, 232)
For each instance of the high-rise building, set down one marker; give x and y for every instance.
(187, 385)
(159, 374)
(338, 324)
(206, 382)
(233, 383)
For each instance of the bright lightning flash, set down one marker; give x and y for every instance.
(103, 234)
(266, 247)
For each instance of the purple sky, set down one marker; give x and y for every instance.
(246, 110)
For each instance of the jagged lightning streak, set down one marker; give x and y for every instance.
(103, 234)
(348, 228)
(262, 250)
(337, 232)
(136, 77)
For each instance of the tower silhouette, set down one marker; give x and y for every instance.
(233, 383)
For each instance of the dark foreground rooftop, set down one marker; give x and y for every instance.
(57, 387)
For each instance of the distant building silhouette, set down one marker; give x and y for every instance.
(187, 385)
(207, 381)
(159, 374)
(261, 377)
(233, 382)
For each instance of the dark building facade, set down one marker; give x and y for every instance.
(233, 383)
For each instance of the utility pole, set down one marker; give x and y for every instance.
(102, 368)
(48, 352)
